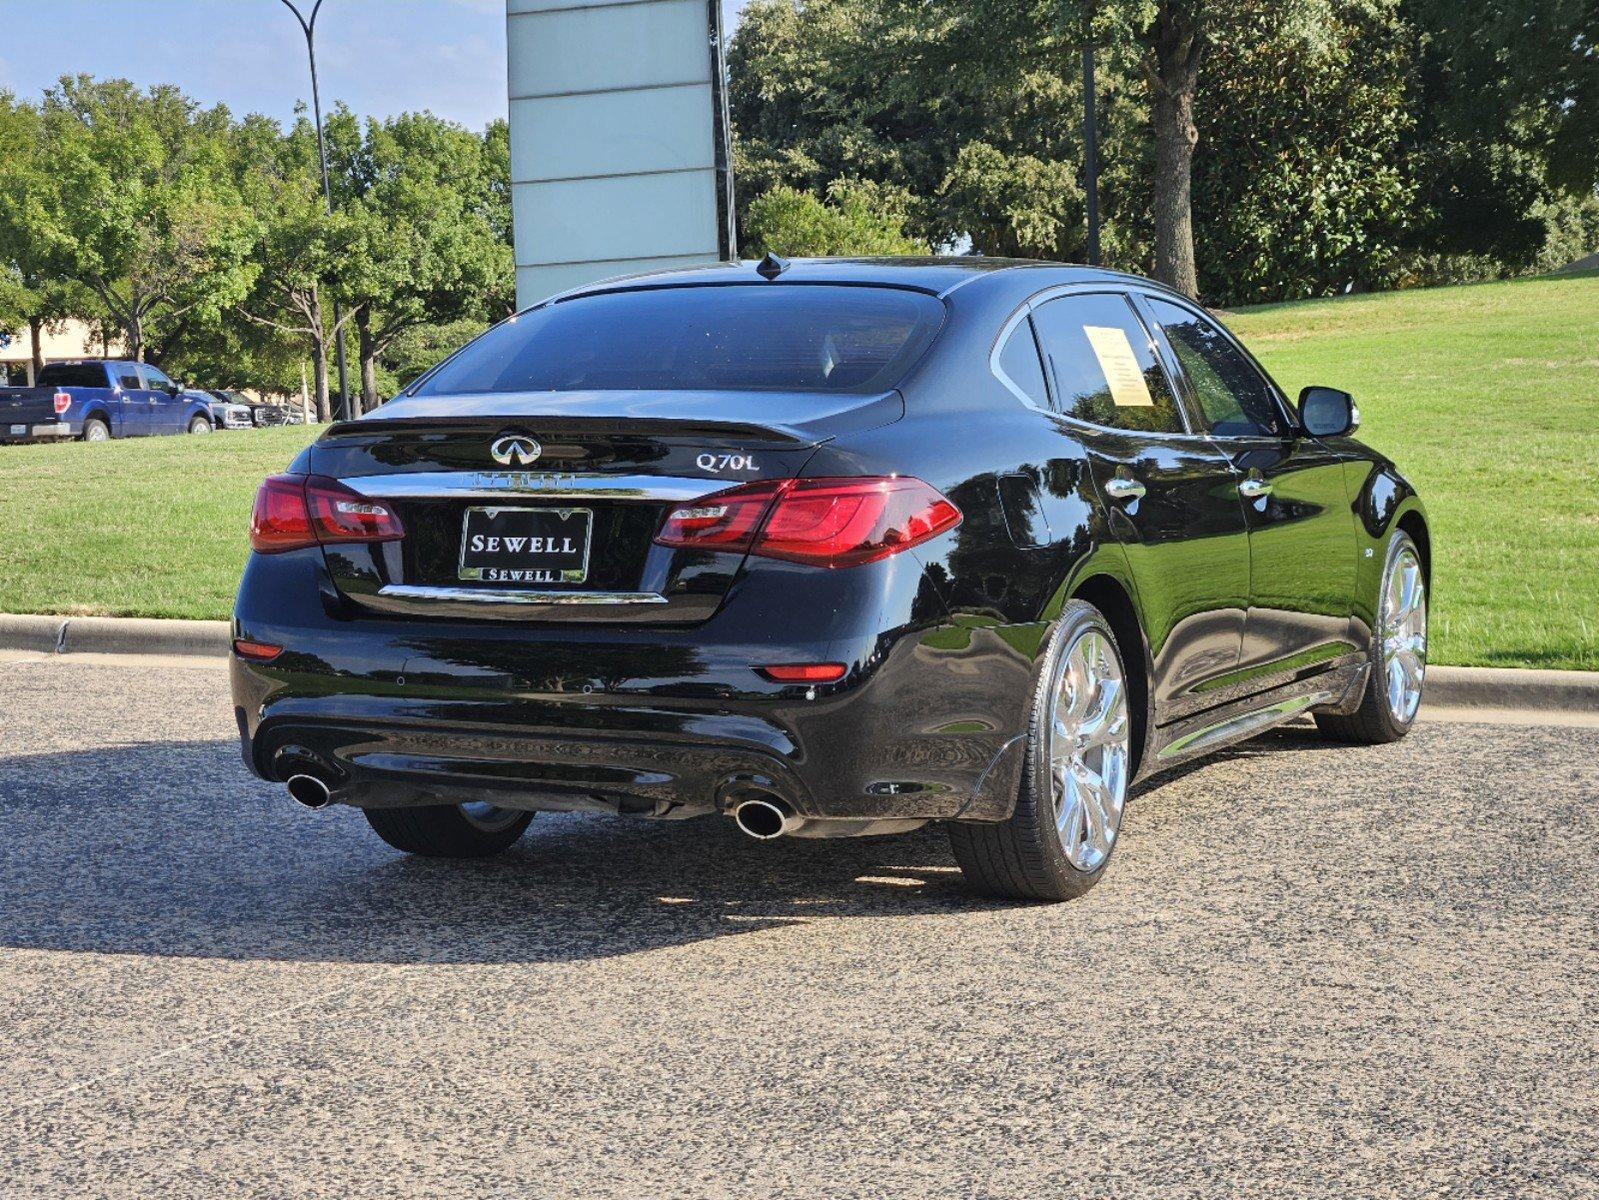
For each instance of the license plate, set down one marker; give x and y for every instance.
(526, 545)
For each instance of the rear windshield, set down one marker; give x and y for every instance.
(807, 338)
(73, 375)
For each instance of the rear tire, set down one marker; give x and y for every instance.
(96, 430)
(1390, 701)
(447, 831)
(1060, 838)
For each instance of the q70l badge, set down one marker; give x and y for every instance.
(717, 463)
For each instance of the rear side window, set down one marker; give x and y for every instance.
(1018, 359)
(1102, 366)
(772, 337)
(1234, 397)
(130, 381)
(66, 375)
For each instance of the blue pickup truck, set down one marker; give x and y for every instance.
(99, 398)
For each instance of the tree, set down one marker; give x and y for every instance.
(137, 206)
(298, 247)
(31, 294)
(859, 219)
(420, 195)
(1301, 189)
(1506, 104)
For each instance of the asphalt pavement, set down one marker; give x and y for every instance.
(1312, 971)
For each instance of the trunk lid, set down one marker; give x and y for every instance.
(511, 479)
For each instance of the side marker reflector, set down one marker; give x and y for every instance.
(804, 672)
(257, 651)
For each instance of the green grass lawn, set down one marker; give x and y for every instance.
(1486, 396)
(150, 527)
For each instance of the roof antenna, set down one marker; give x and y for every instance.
(771, 266)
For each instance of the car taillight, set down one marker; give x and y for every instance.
(804, 672)
(63, 401)
(823, 522)
(294, 511)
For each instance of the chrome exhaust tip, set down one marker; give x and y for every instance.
(309, 790)
(765, 820)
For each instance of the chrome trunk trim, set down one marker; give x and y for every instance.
(497, 485)
(411, 591)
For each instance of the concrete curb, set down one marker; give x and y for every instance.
(114, 635)
(1499, 687)
(1447, 687)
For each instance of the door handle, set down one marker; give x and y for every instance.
(1254, 489)
(1124, 489)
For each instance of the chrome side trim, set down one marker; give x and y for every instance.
(496, 485)
(412, 591)
(1243, 725)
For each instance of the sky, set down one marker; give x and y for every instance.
(378, 56)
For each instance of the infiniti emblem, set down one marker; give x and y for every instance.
(516, 450)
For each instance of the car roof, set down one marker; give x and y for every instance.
(937, 276)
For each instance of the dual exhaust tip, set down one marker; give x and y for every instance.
(763, 819)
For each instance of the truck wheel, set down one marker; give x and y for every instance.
(199, 425)
(96, 430)
(1059, 840)
(473, 830)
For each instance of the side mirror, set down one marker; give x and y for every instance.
(173, 390)
(1327, 412)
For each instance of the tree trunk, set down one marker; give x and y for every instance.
(134, 332)
(366, 348)
(1172, 68)
(319, 370)
(36, 331)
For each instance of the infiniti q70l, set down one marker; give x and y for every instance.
(828, 548)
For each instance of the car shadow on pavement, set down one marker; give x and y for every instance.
(172, 848)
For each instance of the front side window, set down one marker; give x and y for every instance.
(1102, 366)
(156, 379)
(773, 337)
(1235, 399)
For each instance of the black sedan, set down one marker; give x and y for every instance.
(830, 548)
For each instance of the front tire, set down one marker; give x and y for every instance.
(1059, 840)
(199, 425)
(1398, 655)
(449, 830)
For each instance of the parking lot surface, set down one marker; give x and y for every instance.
(1311, 971)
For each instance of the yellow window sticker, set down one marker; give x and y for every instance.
(1120, 364)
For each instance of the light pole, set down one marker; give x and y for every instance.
(308, 25)
(1090, 154)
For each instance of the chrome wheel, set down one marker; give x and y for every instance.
(488, 818)
(1403, 633)
(1088, 749)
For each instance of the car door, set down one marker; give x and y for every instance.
(1171, 495)
(132, 398)
(1302, 539)
(167, 412)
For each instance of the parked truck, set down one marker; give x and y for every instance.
(100, 398)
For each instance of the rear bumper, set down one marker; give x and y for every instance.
(654, 721)
(36, 431)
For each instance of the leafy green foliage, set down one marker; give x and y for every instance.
(1299, 188)
(859, 219)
